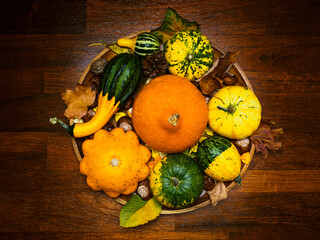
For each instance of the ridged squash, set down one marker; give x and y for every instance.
(114, 162)
(176, 181)
(234, 112)
(170, 114)
(189, 54)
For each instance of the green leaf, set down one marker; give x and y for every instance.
(138, 212)
(172, 24)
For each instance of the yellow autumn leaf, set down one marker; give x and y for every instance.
(245, 158)
(138, 212)
(119, 115)
(202, 139)
(208, 131)
(193, 149)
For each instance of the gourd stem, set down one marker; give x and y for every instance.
(69, 129)
(230, 109)
(175, 182)
(102, 43)
(173, 119)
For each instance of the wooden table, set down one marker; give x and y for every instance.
(44, 49)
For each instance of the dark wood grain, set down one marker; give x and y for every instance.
(44, 49)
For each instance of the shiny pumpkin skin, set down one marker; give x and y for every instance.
(219, 158)
(176, 181)
(234, 112)
(189, 54)
(157, 101)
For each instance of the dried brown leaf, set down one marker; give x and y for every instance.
(218, 193)
(208, 84)
(266, 138)
(78, 101)
(225, 62)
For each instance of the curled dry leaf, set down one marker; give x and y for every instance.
(218, 193)
(209, 84)
(225, 62)
(229, 79)
(78, 101)
(266, 138)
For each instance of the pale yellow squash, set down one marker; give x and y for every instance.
(234, 112)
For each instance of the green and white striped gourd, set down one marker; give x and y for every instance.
(144, 44)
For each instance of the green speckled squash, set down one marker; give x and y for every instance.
(219, 159)
(189, 54)
(176, 181)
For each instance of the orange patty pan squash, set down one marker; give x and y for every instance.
(114, 162)
(170, 114)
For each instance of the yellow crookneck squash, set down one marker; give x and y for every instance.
(114, 162)
(234, 112)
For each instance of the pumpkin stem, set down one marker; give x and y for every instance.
(230, 109)
(173, 119)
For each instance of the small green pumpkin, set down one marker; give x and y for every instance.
(219, 159)
(176, 181)
(189, 54)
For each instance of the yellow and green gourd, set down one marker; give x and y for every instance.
(189, 54)
(219, 159)
(176, 181)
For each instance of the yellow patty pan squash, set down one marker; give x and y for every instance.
(189, 54)
(114, 162)
(234, 112)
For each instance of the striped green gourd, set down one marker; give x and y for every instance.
(144, 44)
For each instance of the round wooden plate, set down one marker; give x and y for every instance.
(204, 199)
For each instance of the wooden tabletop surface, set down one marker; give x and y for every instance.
(44, 49)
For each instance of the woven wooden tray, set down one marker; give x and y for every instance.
(204, 199)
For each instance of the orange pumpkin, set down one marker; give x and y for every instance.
(170, 114)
